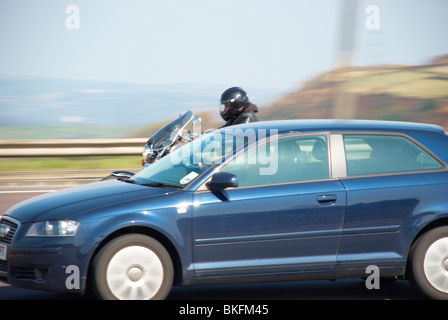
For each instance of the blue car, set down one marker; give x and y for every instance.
(276, 200)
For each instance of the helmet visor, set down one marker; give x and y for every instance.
(225, 106)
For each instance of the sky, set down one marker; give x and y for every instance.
(252, 42)
(411, 32)
(256, 44)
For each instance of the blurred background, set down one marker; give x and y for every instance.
(115, 69)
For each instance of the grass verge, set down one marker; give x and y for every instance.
(80, 163)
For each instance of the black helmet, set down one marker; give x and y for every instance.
(233, 102)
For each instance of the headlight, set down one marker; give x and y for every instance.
(53, 228)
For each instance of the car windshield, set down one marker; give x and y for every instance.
(186, 163)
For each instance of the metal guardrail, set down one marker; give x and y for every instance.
(64, 148)
(60, 178)
(71, 147)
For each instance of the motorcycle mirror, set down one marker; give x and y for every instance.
(122, 174)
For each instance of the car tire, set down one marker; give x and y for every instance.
(428, 264)
(132, 267)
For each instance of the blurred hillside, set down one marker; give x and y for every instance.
(209, 120)
(50, 108)
(392, 92)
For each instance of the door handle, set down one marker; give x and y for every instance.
(327, 198)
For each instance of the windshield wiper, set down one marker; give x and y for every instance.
(129, 181)
(152, 184)
(161, 184)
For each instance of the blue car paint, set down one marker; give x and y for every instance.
(249, 233)
(118, 206)
(258, 227)
(384, 214)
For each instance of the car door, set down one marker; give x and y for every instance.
(390, 180)
(284, 220)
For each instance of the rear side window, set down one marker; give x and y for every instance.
(380, 154)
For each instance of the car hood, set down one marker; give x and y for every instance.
(70, 202)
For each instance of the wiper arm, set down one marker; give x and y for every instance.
(151, 184)
(129, 181)
(161, 184)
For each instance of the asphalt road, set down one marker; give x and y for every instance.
(351, 289)
(9, 196)
(343, 289)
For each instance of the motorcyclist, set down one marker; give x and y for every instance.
(235, 107)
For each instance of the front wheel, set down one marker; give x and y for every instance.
(132, 267)
(429, 264)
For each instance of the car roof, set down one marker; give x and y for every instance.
(335, 125)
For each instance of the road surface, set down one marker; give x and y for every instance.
(9, 196)
(343, 289)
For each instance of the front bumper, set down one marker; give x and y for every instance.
(41, 262)
(45, 268)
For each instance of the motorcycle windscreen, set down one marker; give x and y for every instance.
(166, 135)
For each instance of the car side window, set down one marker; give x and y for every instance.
(286, 160)
(382, 154)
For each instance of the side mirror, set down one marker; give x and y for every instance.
(222, 180)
